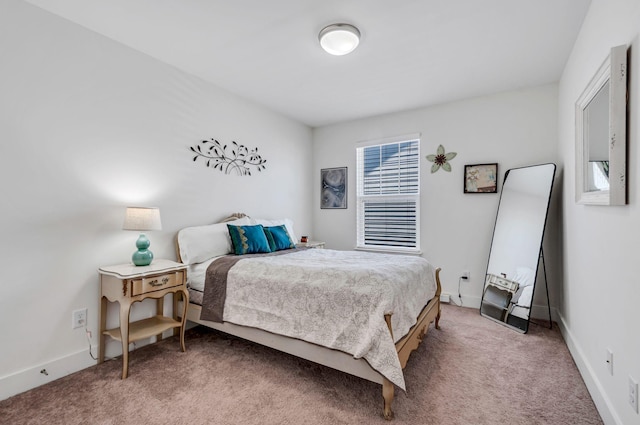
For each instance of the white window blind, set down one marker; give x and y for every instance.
(388, 195)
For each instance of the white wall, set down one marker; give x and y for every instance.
(514, 129)
(601, 290)
(87, 127)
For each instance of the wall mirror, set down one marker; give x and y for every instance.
(601, 139)
(516, 247)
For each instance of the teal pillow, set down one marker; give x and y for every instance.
(278, 238)
(248, 239)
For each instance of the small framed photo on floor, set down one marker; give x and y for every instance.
(481, 178)
(333, 188)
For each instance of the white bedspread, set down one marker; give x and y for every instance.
(336, 299)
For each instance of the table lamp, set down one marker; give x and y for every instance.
(142, 218)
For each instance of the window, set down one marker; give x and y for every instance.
(388, 195)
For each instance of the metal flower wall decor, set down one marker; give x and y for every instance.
(440, 159)
(239, 159)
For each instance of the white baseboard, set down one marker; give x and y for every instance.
(599, 396)
(33, 377)
(27, 379)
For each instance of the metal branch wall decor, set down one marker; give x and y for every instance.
(239, 159)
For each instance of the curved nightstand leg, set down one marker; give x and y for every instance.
(124, 334)
(103, 327)
(159, 312)
(185, 304)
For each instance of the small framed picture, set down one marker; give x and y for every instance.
(481, 178)
(333, 188)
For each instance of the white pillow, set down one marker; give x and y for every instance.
(200, 243)
(524, 276)
(288, 223)
(526, 297)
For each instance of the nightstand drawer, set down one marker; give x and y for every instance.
(156, 283)
(502, 282)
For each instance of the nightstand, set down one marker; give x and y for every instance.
(310, 244)
(127, 284)
(496, 300)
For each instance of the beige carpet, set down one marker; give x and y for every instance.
(471, 371)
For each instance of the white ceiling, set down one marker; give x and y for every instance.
(413, 53)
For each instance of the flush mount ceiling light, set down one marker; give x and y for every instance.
(339, 39)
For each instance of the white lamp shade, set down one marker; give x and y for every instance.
(339, 39)
(142, 218)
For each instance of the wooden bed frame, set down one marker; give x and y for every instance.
(332, 358)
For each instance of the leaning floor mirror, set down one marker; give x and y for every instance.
(516, 247)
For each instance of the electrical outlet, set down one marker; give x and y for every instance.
(610, 361)
(79, 318)
(633, 394)
(465, 274)
(445, 298)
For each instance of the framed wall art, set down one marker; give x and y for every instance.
(333, 188)
(481, 178)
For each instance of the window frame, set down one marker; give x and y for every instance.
(362, 199)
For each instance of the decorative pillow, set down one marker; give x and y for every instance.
(278, 238)
(288, 223)
(200, 243)
(248, 239)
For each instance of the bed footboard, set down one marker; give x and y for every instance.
(411, 341)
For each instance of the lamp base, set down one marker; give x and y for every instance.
(142, 257)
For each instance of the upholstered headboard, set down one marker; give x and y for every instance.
(207, 232)
(232, 217)
(200, 243)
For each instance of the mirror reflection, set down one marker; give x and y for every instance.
(516, 245)
(601, 136)
(596, 135)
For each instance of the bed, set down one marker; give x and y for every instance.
(302, 300)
